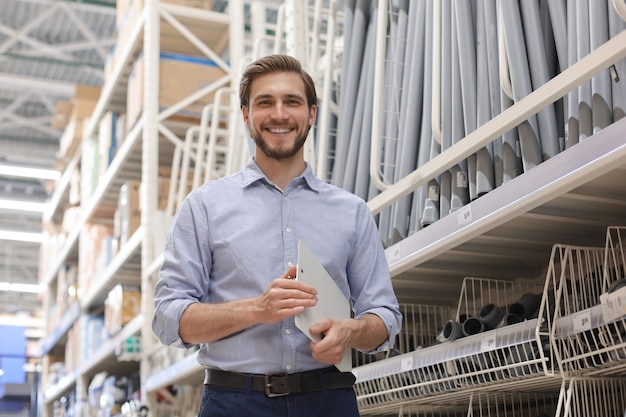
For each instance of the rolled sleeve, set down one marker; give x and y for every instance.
(165, 322)
(370, 280)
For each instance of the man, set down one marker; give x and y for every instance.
(227, 277)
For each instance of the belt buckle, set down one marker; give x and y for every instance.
(268, 386)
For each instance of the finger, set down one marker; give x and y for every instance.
(291, 272)
(292, 284)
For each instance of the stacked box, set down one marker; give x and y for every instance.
(179, 77)
(128, 215)
(123, 303)
(82, 106)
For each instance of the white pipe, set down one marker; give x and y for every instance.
(620, 8)
(379, 77)
(324, 122)
(436, 75)
(587, 67)
(505, 77)
(280, 29)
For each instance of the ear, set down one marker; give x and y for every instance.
(245, 114)
(312, 114)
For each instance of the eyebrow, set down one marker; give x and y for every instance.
(289, 96)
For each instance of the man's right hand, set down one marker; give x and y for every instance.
(284, 297)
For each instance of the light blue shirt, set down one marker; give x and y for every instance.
(233, 236)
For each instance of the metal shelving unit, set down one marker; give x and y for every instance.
(146, 147)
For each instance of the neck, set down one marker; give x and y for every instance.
(280, 171)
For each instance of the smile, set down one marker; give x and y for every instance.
(278, 130)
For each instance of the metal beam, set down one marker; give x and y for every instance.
(20, 83)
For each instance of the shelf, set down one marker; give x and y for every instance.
(62, 387)
(187, 371)
(511, 358)
(508, 233)
(58, 336)
(59, 200)
(105, 358)
(125, 268)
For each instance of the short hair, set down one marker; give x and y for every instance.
(275, 63)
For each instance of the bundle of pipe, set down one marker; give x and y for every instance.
(492, 54)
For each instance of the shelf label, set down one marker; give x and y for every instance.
(394, 253)
(406, 364)
(488, 342)
(464, 216)
(581, 321)
(613, 305)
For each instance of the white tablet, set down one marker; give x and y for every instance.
(331, 303)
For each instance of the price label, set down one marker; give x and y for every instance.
(488, 342)
(393, 253)
(464, 216)
(582, 321)
(407, 364)
(613, 305)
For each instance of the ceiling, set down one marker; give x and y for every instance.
(46, 48)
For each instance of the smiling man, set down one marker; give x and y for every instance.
(226, 280)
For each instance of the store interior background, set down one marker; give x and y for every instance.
(47, 48)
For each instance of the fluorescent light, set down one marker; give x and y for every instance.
(21, 236)
(17, 171)
(22, 205)
(15, 287)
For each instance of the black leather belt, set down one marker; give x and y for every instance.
(275, 385)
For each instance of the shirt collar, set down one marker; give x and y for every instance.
(252, 173)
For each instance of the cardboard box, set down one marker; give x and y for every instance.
(123, 303)
(83, 105)
(128, 215)
(179, 77)
(107, 141)
(62, 114)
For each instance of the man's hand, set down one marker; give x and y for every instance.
(284, 297)
(335, 339)
(365, 333)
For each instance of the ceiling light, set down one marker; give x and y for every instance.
(25, 172)
(22, 205)
(15, 287)
(21, 236)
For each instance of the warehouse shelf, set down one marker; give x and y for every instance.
(594, 397)
(65, 385)
(186, 371)
(153, 138)
(589, 336)
(510, 357)
(59, 200)
(104, 359)
(125, 268)
(58, 336)
(518, 222)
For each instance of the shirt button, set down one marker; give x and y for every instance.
(289, 263)
(286, 198)
(288, 367)
(287, 331)
(288, 230)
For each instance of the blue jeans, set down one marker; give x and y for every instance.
(230, 402)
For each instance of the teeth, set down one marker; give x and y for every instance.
(279, 130)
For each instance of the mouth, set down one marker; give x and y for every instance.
(279, 130)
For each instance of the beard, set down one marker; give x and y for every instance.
(279, 153)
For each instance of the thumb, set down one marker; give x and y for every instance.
(291, 272)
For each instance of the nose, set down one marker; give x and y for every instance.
(280, 111)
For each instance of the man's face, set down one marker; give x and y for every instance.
(277, 115)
